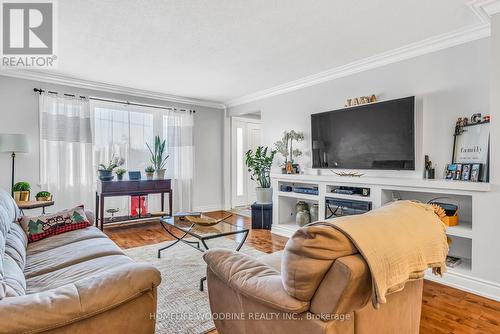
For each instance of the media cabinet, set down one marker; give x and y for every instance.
(386, 189)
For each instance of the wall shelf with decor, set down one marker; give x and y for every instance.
(466, 243)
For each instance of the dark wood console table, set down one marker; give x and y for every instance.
(130, 188)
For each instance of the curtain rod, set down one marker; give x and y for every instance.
(40, 91)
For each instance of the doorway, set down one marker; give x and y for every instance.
(246, 134)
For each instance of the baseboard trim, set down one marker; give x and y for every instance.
(468, 283)
(208, 208)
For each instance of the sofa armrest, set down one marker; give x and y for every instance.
(90, 216)
(253, 279)
(71, 303)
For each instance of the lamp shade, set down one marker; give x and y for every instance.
(17, 143)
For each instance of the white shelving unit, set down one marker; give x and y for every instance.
(383, 190)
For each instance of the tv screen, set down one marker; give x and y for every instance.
(379, 135)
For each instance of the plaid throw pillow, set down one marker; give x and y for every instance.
(41, 227)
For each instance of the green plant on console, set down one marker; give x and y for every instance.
(259, 165)
(149, 169)
(120, 171)
(157, 153)
(21, 186)
(112, 164)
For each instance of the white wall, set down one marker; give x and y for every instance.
(448, 84)
(19, 114)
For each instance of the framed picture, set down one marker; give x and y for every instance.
(466, 172)
(458, 172)
(451, 170)
(475, 172)
(472, 146)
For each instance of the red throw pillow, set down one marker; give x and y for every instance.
(41, 227)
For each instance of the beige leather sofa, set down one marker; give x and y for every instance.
(320, 286)
(76, 282)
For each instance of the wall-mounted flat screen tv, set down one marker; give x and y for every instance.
(378, 135)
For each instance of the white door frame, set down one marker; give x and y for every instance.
(235, 199)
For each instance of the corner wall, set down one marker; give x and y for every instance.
(19, 114)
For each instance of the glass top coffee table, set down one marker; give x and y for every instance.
(201, 233)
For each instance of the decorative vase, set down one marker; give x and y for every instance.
(44, 198)
(289, 167)
(264, 195)
(160, 174)
(119, 177)
(22, 196)
(313, 211)
(149, 176)
(105, 175)
(302, 218)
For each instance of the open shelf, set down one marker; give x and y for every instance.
(292, 194)
(463, 230)
(464, 267)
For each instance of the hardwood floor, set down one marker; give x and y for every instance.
(444, 309)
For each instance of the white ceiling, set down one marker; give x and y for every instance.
(220, 50)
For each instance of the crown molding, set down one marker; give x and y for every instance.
(105, 87)
(483, 9)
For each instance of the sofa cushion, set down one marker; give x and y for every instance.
(308, 255)
(15, 245)
(13, 277)
(68, 255)
(41, 227)
(64, 239)
(10, 206)
(5, 222)
(72, 274)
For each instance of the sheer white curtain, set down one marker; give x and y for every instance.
(178, 131)
(124, 130)
(66, 159)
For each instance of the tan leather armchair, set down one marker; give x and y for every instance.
(313, 286)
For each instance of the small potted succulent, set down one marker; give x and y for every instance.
(21, 191)
(119, 173)
(106, 171)
(157, 158)
(43, 196)
(150, 172)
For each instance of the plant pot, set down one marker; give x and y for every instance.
(105, 175)
(119, 177)
(22, 196)
(44, 198)
(149, 176)
(264, 195)
(160, 174)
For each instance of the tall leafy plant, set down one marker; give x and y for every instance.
(157, 153)
(259, 165)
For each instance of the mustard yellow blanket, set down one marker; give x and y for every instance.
(399, 242)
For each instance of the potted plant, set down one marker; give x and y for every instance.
(43, 196)
(21, 191)
(150, 172)
(259, 165)
(119, 173)
(106, 171)
(157, 158)
(284, 146)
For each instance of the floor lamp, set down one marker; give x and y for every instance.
(13, 143)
